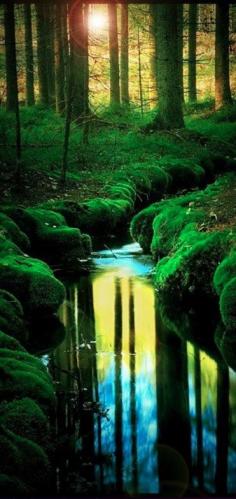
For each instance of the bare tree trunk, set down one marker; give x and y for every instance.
(42, 54)
(59, 61)
(222, 84)
(79, 52)
(114, 56)
(124, 54)
(170, 113)
(140, 74)
(192, 45)
(49, 21)
(11, 73)
(153, 57)
(29, 60)
(180, 26)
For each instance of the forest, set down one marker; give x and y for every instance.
(117, 249)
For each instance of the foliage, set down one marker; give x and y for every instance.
(228, 304)
(10, 343)
(224, 272)
(10, 230)
(11, 316)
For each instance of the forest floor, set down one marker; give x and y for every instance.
(119, 141)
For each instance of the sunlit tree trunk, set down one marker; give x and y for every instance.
(11, 75)
(170, 113)
(114, 56)
(59, 61)
(180, 26)
(192, 45)
(124, 54)
(79, 50)
(222, 84)
(153, 56)
(49, 21)
(42, 55)
(29, 60)
(233, 18)
(140, 80)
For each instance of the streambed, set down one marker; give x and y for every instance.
(139, 409)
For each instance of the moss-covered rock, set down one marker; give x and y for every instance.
(25, 418)
(149, 182)
(11, 316)
(187, 275)
(224, 272)
(226, 342)
(228, 304)
(23, 360)
(7, 247)
(184, 173)
(11, 231)
(32, 282)
(45, 334)
(168, 225)
(24, 460)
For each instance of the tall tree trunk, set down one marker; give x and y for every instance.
(79, 50)
(170, 114)
(42, 55)
(59, 61)
(124, 54)
(29, 60)
(49, 21)
(222, 84)
(140, 81)
(11, 74)
(192, 45)
(233, 18)
(114, 56)
(180, 26)
(153, 56)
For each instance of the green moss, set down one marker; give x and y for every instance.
(11, 316)
(184, 173)
(25, 460)
(168, 225)
(19, 379)
(225, 340)
(11, 231)
(123, 190)
(7, 247)
(228, 304)
(224, 272)
(23, 360)
(25, 418)
(150, 182)
(32, 282)
(12, 486)
(10, 343)
(187, 275)
(101, 217)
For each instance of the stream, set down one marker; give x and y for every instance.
(139, 409)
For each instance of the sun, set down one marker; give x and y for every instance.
(97, 21)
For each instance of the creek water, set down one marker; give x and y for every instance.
(139, 409)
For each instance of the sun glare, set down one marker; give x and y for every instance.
(97, 21)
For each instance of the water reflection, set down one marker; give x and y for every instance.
(146, 411)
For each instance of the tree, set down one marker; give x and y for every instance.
(59, 60)
(170, 113)
(180, 26)
(222, 84)
(49, 29)
(153, 57)
(114, 56)
(78, 26)
(29, 60)
(11, 74)
(42, 54)
(192, 45)
(124, 54)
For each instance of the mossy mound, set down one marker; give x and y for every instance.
(11, 231)
(11, 316)
(20, 379)
(184, 173)
(10, 343)
(226, 342)
(149, 182)
(15, 359)
(7, 247)
(187, 275)
(224, 272)
(12, 486)
(45, 334)
(123, 190)
(24, 460)
(168, 225)
(25, 418)
(51, 238)
(228, 304)
(32, 282)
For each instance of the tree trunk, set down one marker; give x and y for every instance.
(114, 56)
(124, 54)
(153, 56)
(192, 45)
(50, 51)
(222, 84)
(170, 113)
(180, 26)
(59, 61)
(11, 75)
(140, 81)
(42, 55)
(29, 60)
(79, 50)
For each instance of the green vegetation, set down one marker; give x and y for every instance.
(11, 231)
(227, 304)
(11, 316)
